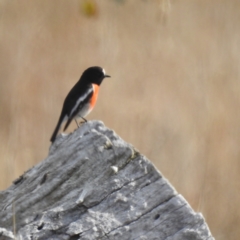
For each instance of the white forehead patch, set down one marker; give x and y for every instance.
(103, 71)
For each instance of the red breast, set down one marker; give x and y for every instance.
(94, 96)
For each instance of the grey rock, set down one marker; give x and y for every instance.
(94, 185)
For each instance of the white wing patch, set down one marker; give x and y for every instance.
(81, 99)
(65, 119)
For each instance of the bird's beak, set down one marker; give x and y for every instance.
(106, 76)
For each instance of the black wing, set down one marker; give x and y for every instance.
(77, 104)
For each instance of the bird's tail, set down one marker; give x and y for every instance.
(56, 129)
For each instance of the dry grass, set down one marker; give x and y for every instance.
(175, 71)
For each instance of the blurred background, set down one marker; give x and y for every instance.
(175, 78)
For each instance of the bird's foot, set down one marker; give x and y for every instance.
(84, 121)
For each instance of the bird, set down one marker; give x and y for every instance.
(81, 99)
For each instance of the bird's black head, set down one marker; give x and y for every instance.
(94, 75)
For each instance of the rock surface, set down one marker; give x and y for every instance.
(94, 185)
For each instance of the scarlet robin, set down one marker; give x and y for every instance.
(82, 98)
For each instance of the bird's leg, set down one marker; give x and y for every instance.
(76, 122)
(84, 119)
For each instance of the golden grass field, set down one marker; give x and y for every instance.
(174, 92)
